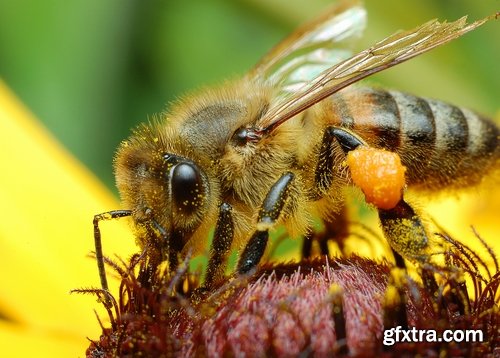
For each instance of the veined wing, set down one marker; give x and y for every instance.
(389, 52)
(313, 48)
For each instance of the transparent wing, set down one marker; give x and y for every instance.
(313, 48)
(389, 52)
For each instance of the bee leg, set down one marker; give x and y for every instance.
(325, 169)
(324, 176)
(336, 229)
(395, 300)
(405, 232)
(160, 244)
(347, 140)
(269, 213)
(321, 238)
(114, 214)
(307, 244)
(223, 238)
(398, 259)
(401, 225)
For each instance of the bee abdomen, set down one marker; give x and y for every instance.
(440, 144)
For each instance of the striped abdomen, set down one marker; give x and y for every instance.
(441, 145)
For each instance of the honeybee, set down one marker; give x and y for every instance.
(269, 150)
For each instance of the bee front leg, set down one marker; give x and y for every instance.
(402, 227)
(223, 238)
(271, 209)
(114, 214)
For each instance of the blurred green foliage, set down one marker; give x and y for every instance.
(93, 69)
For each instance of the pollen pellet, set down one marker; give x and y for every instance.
(379, 174)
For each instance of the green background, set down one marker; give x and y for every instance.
(93, 69)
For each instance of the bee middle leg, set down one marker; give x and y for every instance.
(269, 213)
(324, 176)
(325, 172)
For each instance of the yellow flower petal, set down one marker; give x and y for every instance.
(479, 209)
(19, 341)
(47, 202)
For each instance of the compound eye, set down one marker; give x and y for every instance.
(187, 187)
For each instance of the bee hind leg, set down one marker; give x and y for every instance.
(336, 229)
(405, 232)
(269, 213)
(401, 225)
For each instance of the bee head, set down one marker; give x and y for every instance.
(164, 190)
